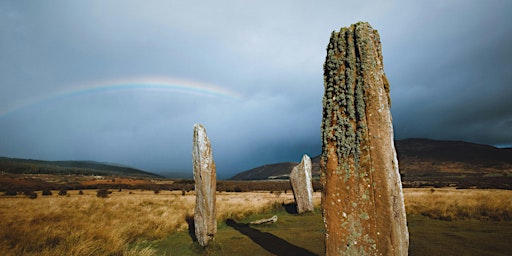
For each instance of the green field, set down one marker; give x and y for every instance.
(459, 237)
(304, 235)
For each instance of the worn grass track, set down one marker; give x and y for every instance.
(303, 235)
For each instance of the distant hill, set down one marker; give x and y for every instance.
(268, 171)
(454, 151)
(29, 166)
(427, 162)
(177, 174)
(458, 163)
(423, 158)
(275, 171)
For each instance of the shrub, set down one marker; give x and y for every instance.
(157, 191)
(33, 195)
(103, 193)
(10, 193)
(28, 192)
(80, 192)
(47, 192)
(63, 192)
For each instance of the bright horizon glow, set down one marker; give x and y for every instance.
(163, 84)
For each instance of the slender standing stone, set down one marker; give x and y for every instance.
(205, 214)
(301, 177)
(362, 200)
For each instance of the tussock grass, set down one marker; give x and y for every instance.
(89, 225)
(466, 204)
(238, 206)
(128, 222)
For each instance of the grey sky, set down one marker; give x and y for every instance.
(448, 63)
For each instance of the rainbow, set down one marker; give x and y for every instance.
(159, 84)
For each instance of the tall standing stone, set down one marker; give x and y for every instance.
(205, 214)
(302, 186)
(363, 205)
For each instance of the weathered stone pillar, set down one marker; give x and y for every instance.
(363, 205)
(205, 214)
(302, 186)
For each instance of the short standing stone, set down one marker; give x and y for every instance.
(205, 214)
(302, 186)
(362, 200)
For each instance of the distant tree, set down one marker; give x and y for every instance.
(63, 192)
(28, 192)
(276, 193)
(80, 192)
(33, 195)
(47, 192)
(102, 192)
(10, 193)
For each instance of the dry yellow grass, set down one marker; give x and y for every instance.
(88, 225)
(449, 204)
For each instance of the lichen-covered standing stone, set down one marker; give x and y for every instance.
(205, 214)
(302, 186)
(362, 200)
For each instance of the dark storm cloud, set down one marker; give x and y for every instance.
(447, 63)
(460, 87)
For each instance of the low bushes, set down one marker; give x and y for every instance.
(103, 193)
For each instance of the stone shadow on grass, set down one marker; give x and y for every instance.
(267, 241)
(291, 208)
(191, 227)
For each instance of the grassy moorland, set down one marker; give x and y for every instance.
(460, 204)
(135, 222)
(89, 225)
(459, 221)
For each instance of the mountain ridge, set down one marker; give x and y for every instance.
(33, 166)
(425, 161)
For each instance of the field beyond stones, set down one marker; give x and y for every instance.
(136, 222)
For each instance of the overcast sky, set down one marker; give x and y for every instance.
(125, 81)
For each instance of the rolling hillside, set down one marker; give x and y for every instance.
(28, 166)
(425, 162)
(269, 171)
